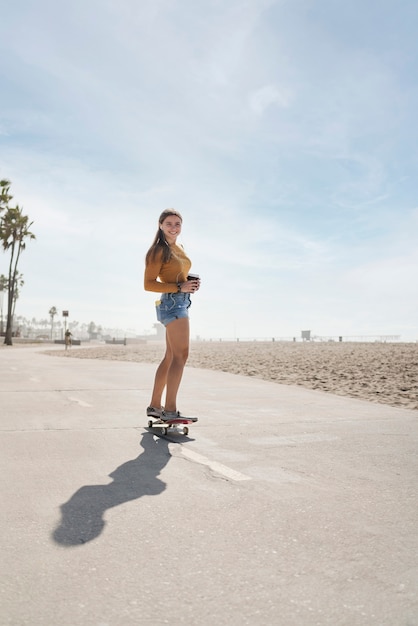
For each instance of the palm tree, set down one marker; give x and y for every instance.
(19, 283)
(14, 230)
(5, 197)
(3, 287)
(52, 312)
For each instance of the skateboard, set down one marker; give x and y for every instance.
(173, 424)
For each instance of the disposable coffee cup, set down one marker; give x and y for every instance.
(193, 277)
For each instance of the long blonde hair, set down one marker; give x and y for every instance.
(160, 243)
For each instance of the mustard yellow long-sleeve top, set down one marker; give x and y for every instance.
(163, 277)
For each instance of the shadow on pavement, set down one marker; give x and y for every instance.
(82, 515)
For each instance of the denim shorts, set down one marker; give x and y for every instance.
(173, 306)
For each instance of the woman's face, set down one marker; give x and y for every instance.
(171, 228)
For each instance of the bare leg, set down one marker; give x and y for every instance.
(161, 377)
(170, 371)
(178, 339)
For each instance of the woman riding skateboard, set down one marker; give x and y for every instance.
(167, 272)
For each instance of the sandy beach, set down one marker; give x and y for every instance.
(377, 372)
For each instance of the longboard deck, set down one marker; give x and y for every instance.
(177, 420)
(171, 425)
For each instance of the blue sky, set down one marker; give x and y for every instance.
(284, 131)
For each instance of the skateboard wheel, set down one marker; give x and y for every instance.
(149, 423)
(185, 431)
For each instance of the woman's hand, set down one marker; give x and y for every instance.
(190, 286)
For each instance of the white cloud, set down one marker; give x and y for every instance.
(289, 149)
(267, 96)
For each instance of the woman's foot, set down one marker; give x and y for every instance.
(153, 412)
(173, 415)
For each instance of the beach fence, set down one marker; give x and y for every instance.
(311, 339)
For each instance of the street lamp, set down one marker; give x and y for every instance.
(65, 314)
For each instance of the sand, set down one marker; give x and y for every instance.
(377, 372)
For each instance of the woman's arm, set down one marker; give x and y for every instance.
(152, 271)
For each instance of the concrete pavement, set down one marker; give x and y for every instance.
(303, 512)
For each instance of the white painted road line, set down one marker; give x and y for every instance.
(219, 468)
